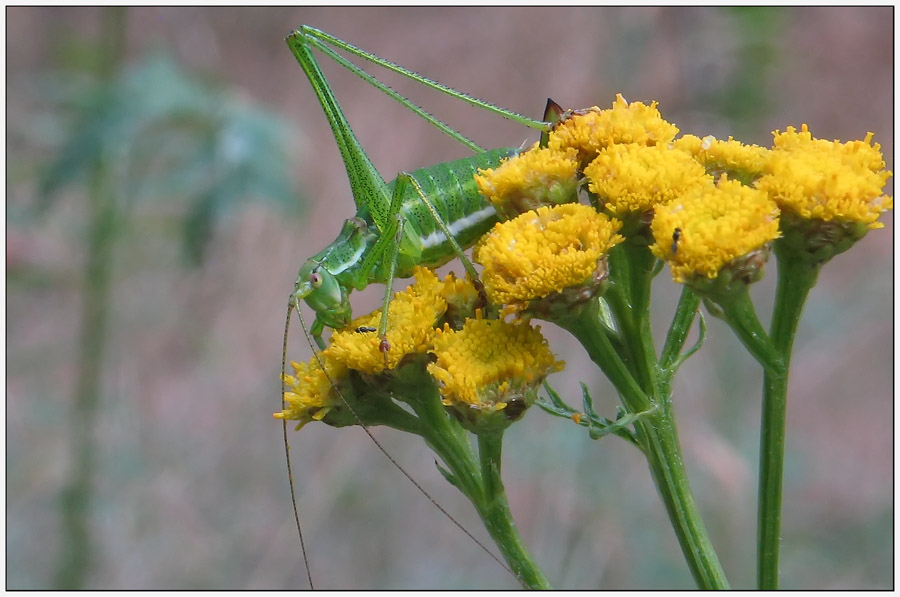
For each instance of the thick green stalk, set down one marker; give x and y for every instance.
(795, 279)
(640, 338)
(658, 436)
(497, 517)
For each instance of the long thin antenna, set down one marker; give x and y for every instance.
(365, 428)
(287, 449)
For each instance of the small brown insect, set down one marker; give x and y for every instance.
(676, 236)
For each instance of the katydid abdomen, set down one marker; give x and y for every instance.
(451, 188)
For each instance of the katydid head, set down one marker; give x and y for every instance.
(325, 279)
(324, 294)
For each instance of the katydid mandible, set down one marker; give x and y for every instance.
(425, 217)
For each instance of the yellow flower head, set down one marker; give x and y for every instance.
(488, 366)
(589, 131)
(412, 316)
(732, 158)
(708, 228)
(539, 176)
(823, 180)
(310, 393)
(631, 179)
(544, 251)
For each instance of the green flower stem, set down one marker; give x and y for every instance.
(641, 273)
(740, 314)
(681, 326)
(498, 519)
(585, 325)
(479, 479)
(658, 436)
(795, 279)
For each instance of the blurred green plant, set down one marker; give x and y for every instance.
(163, 136)
(147, 132)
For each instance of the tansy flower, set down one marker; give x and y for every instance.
(732, 158)
(545, 251)
(537, 177)
(310, 393)
(631, 179)
(589, 131)
(823, 180)
(711, 230)
(489, 371)
(412, 315)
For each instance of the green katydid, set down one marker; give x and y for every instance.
(425, 217)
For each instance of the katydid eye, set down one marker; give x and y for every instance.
(315, 279)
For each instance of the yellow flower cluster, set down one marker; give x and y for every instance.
(539, 176)
(544, 251)
(414, 319)
(412, 316)
(710, 227)
(731, 157)
(591, 130)
(631, 179)
(711, 206)
(635, 170)
(827, 180)
(490, 363)
(310, 393)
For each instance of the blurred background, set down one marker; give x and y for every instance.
(169, 169)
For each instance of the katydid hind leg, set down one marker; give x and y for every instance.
(365, 181)
(325, 38)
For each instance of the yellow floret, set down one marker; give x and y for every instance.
(706, 229)
(544, 251)
(412, 315)
(489, 363)
(310, 393)
(827, 180)
(632, 179)
(591, 130)
(539, 176)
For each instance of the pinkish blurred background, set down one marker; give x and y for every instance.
(188, 488)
